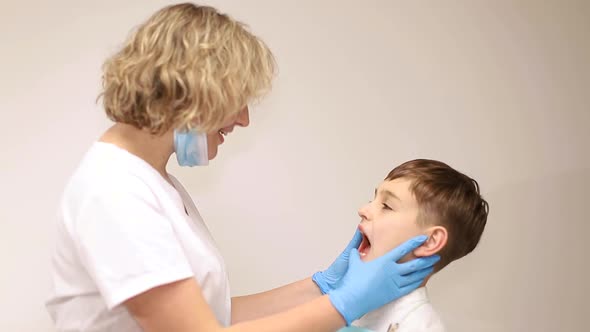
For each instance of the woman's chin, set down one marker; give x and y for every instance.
(212, 152)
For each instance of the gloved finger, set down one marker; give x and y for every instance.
(354, 259)
(405, 290)
(405, 248)
(417, 264)
(356, 240)
(413, 277)
(353, 329)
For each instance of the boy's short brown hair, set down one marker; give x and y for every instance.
(447, 198)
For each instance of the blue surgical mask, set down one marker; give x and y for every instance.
(191, 148)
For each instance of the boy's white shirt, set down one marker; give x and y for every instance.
(410, 313)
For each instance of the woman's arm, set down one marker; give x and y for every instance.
(289, 296)
(244, 308)
(181, 307)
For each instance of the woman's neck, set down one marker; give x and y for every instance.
(153, 149)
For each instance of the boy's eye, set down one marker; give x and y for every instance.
(386, 207)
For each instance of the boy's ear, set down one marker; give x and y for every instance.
(437, 239)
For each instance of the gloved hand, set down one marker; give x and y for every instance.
(367, 286)
(327, 280)
(354, 329)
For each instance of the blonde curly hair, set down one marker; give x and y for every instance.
(186, 66)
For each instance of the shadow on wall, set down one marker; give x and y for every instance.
(532, 254)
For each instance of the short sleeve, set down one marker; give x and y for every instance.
(126, 242)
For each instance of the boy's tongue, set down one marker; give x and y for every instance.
(364, 247)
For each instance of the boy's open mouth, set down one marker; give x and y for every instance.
(365, 245)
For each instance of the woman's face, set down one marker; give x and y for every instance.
(216, 138)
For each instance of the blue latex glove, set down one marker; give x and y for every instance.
(353, 329)
(327, 280)
(370, 285)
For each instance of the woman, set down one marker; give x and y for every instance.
(133, 252)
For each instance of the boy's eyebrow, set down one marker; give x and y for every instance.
(387, 194)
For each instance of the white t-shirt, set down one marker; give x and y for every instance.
(410, 313)
(122, 230)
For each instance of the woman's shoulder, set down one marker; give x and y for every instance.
(108, 174)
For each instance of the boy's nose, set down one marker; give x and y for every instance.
(364, 212)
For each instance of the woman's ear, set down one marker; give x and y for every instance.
(437, 239)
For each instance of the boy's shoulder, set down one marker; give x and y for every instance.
(410, 313)
(423, 318)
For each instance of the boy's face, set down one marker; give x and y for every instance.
(389, 220)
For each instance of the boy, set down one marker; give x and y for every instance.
(420, 197)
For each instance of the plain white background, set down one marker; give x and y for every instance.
(497, 89)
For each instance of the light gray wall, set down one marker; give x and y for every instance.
(497, 89)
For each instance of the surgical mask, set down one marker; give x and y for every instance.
(191, 148)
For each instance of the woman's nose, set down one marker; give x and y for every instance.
(243, 119)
